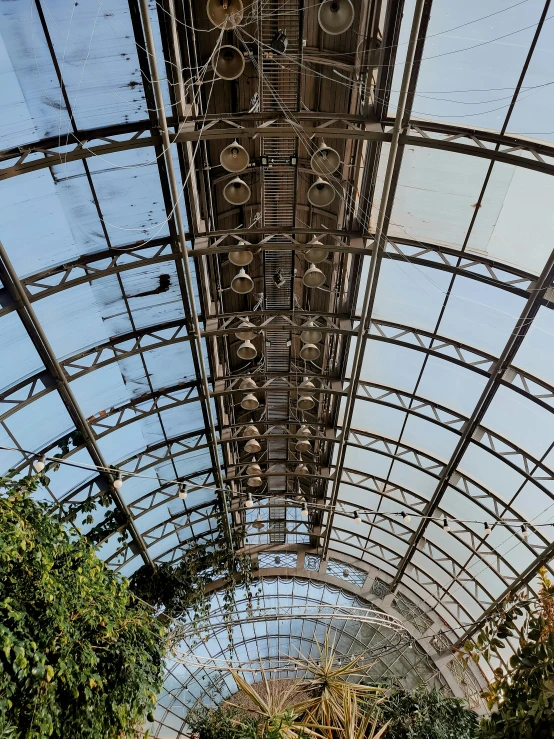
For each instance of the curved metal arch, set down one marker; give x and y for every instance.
(83, 269)
(434, 549)
(378, 444)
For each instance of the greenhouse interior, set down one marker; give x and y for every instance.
(277, 369)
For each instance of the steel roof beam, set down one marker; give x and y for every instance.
(520, 152)
(36, 333)
(497, 373)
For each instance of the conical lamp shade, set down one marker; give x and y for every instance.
(306, 403)
(325, 161)
(321, 194)
(245, 332)
(313, 277)
(251, 431)
(310, 352)
(241, 258)
(304, 431)
(225, 14)
(247, 350)
(310, 334)
(306, 388)
(248, 384)
(302, 469)
(254, 482)
(303, 445)
(250, 402)
(237, 192)
(335, 16)
(252, 446)
(242, 283)
(234, 158)
(317, 252)
(254, 469)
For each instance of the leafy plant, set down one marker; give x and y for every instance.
(522, 694)
(80, 656)
(221, 723)
(423, 714)
(181, 589)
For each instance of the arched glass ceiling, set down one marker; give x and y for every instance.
(187, 686)
(452, 401)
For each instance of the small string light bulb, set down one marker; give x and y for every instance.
(183, 492)
(445, 526)
(406, 517)
(249, 502)
(488, 529)
(40, 463)
(357, 517)
(524, 531)
(304, 510)
(118, 482)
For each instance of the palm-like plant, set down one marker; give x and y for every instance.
(279, 717)
(331, 689)
(360, 724)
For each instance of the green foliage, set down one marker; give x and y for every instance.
(222, 723)
(79, 656)
(181, 589)
(425, 714)
(522, 695)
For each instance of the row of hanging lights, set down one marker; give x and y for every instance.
(228, 63)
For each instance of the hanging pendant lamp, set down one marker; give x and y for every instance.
(252, 446)
(254, 469)
(310, 352)
(245, 332)
(250, 402)
(310, 333)
(313, 277)
(325, 160)
(242, 257)
(247, 350)
(236, 192)
(242, 283)
(250, 431)
(321, 193)
(335, 16)
(254, 482)
(234, 158)
(317, 252)
(225, 14)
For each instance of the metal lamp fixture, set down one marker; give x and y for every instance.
(228, 64)
(225, 14)
(321, 193)
(310, 333)
(317, 252)
(325, 160)
(303, 444)
(313, 277)
(234, 158)
(242, 257)
(251, 431)
(302, 469)
(310, 352)
(247, 350)
(254, 468)
(249, 503)
(242, 283)
(236, 192)
(245, 332)
(254, 482)
(252, 446)
(248, 384)
(305, 400)
(250, 402)
(335, 16)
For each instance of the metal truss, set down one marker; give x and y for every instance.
(139, 255)
(520, 152)
(500, 368)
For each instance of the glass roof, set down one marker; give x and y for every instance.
(434, 387)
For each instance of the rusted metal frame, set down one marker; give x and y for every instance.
(37, 336)
(500, 367)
